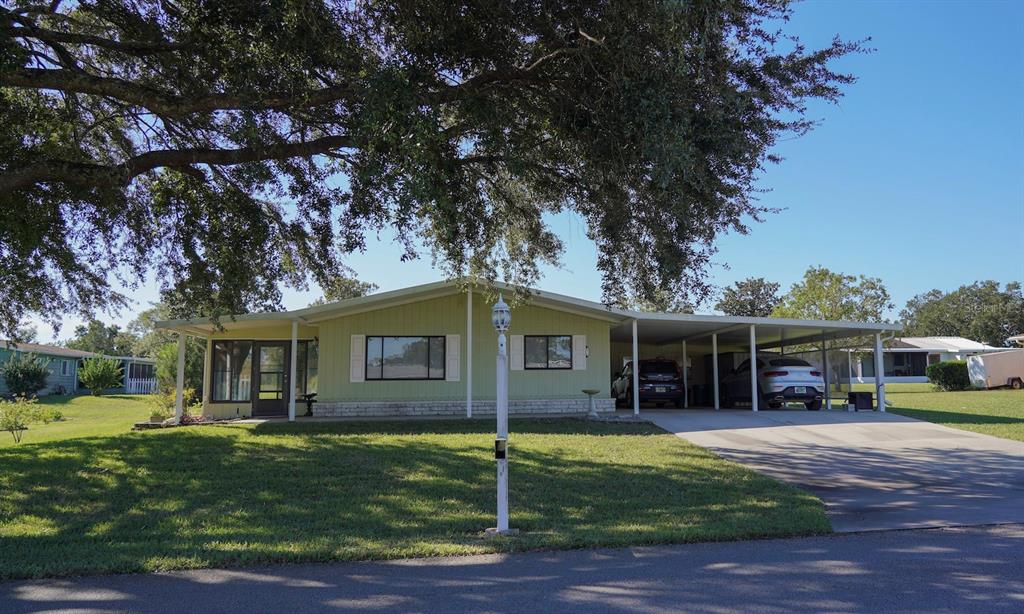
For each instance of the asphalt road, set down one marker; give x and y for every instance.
(874, 471)
(980, 569)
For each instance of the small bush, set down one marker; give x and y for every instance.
(99, 374)
(951, 375)
(25, 374)
(163, 403)
(17, 414)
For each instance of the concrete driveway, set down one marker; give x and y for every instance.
(874, 471)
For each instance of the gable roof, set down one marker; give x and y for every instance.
(56, 350)
(660, 326)
(40, 348)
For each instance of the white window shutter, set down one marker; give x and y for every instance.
(579, 352)
(357, 359)
(515, 352)
(451, 357)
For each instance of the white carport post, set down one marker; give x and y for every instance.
(879, 373)
(824, 372)
(636, 372)
(686, 388)
(469, 354)
(753, 368)
(714, 367)
(179, 383)
(291, 371)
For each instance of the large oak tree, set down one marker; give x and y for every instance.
(227, 147)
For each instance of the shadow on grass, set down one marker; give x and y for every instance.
(220, 496)
(564, 426)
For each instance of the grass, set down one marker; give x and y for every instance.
(993, 412)
(245, 494)
(86, 416)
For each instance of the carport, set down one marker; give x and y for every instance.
(707, 346)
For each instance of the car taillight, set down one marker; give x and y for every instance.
(775, 373)
(815, 373)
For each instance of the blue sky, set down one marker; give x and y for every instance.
(916, 177)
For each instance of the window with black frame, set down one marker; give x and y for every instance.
(552, 352)
(405, 358)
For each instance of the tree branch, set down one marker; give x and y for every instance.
(29, 29)
(97, 175)
(158, 102)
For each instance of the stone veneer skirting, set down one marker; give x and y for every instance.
(457, 408)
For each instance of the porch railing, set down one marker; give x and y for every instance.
(140, 385)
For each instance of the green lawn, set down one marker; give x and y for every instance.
(86, 416)
(993, 412)
(242, 494)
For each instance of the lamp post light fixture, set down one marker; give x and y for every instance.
(501, 317)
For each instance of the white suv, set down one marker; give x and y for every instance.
(780, 380)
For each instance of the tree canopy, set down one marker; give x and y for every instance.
(753, 296)
(981, 311)
(827, 295)
(343, 287)
(95, 336)
(230, 147)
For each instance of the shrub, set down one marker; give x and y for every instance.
(167, 365)
(25, 374)
(163, 403)
(17, 414)
(951, 375)
(99, 374)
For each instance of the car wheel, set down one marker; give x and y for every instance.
(1017, 384)
(813, 405)
(774, 405)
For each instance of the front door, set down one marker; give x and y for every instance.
(271, 379)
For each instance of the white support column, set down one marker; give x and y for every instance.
(686, 388)
(127, 370)
(879, 373)
(753, 369)
(207, 362)
(636, 372)
(469, 354)
(292, 368)
(825, 373)
(714, 368)
(179, 383)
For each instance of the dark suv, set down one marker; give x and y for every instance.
(661, 381)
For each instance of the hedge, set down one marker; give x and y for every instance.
(950, 375)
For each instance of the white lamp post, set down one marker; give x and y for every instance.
(501, 317)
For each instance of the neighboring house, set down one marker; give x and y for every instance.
(431, 349)
(139, 373)
(906, 358)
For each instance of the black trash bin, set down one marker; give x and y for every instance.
(698, 395)
(860, 400)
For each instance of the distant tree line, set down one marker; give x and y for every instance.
(983, 311)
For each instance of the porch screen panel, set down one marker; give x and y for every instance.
(232, 371)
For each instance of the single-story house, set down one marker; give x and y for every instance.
(430, 350)
(139, 372)
(906, 358)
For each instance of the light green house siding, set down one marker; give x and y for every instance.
(447, 316)
(55, 380)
